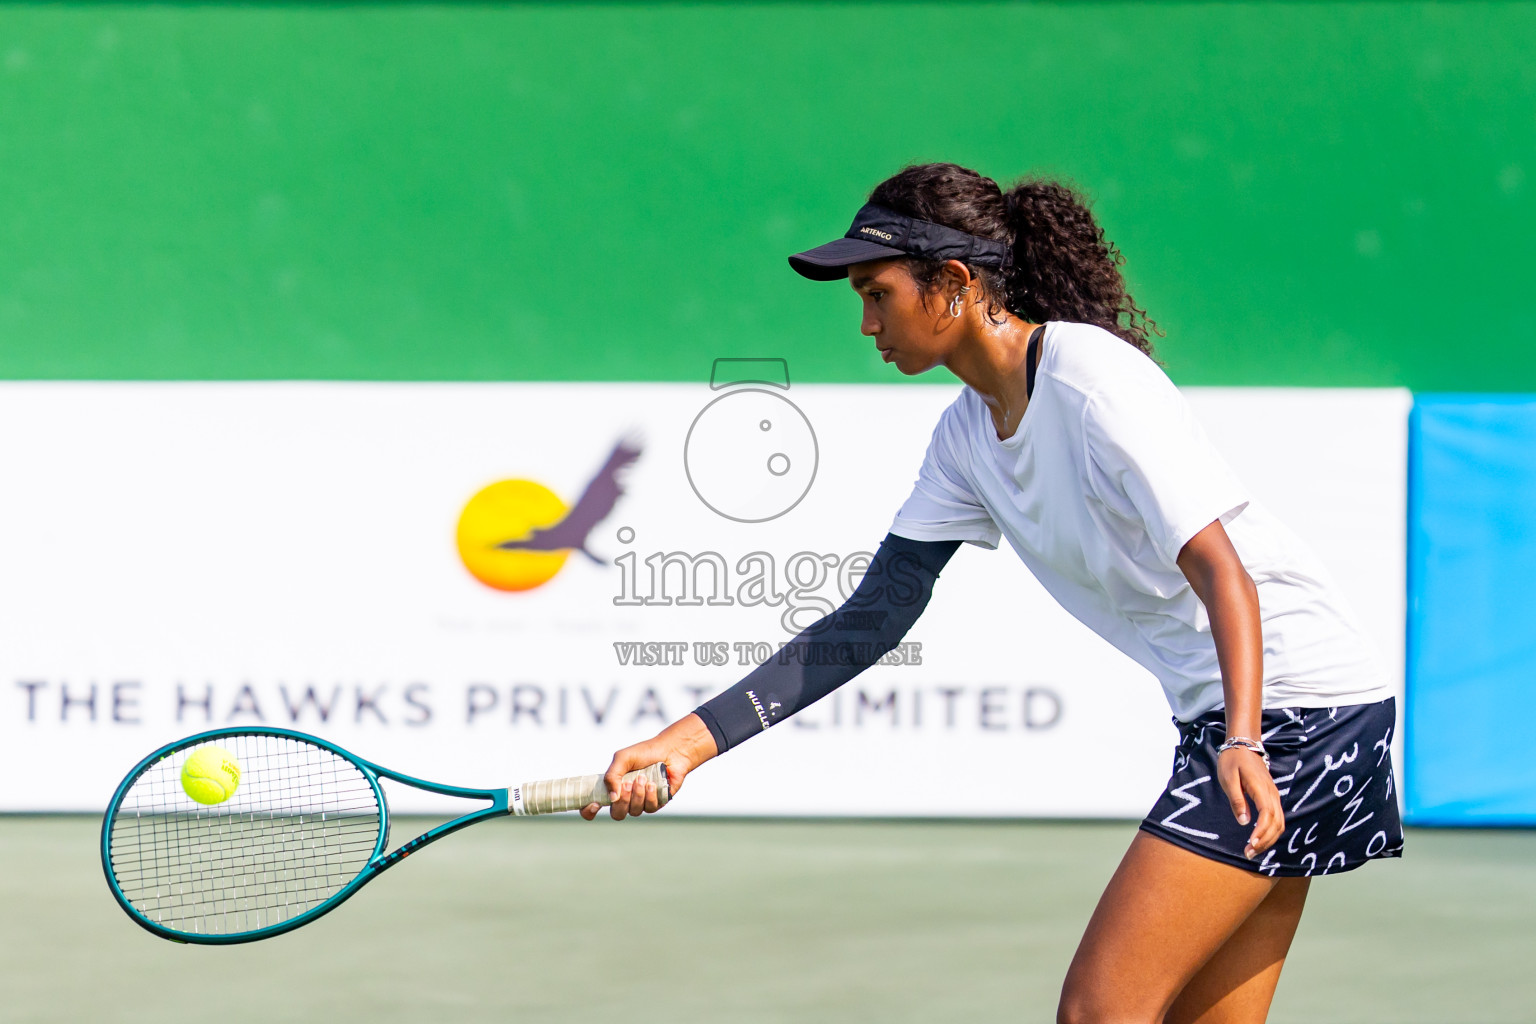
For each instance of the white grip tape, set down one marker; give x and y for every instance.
(554, 795)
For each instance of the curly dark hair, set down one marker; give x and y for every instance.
(1063, 268)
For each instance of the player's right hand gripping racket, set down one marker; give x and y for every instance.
(306, 828)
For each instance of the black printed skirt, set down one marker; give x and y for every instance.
(1333, 768)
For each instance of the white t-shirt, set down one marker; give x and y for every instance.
(1106, 479)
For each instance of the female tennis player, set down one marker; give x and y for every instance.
(1070, 441)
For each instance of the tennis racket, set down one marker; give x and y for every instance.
(307, 827)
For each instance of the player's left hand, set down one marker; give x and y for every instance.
(1243, 777)
(682, 746)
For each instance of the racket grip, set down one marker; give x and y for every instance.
(554, 795)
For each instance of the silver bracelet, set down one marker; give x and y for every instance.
(1244, 743)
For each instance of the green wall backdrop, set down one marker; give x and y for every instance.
(1307, 193)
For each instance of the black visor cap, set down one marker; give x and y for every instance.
(878, 233)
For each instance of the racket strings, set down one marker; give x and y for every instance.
(301, 825)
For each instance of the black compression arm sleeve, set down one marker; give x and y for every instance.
(893, 593)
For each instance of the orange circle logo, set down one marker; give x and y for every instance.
(509, 510)
(516, 534)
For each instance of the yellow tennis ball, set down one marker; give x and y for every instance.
(211, 775)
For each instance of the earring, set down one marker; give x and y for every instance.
(954, 303)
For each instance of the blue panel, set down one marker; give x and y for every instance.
(1471, 611)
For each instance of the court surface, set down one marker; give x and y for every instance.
(693, 920)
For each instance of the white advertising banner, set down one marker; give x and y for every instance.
(485, 584)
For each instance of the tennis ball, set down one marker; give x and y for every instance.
(211, 775)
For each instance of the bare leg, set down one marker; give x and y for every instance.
(1236, 985)
(1163, 917)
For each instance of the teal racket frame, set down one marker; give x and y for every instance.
(500, 804)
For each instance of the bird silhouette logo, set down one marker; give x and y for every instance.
(516, 534)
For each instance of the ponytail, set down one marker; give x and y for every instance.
(1063, 268)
